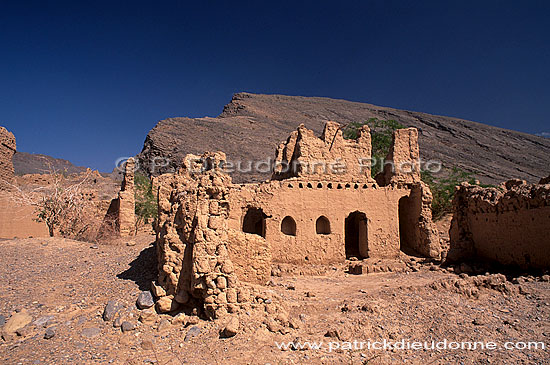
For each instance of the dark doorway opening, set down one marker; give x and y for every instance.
(356, 235)
(407, 225)
(254, 221)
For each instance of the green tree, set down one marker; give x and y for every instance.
(443, 189)
(146, 200)
(381, 139)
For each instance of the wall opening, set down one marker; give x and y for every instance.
(356, 235)
(322, 225)
(254, 221)
(288, 226)
(406, 225)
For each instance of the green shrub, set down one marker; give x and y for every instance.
(443, 189)
(146, 200)
(381, 139)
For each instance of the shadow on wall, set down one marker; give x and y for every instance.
(254, 221)
(143, 269)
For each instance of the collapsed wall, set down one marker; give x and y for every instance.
(7, 150)
(509, 225)
(193, 245)
(418, 233)
(330, 157)
(126, 201)
(120, 215)
(16, 216)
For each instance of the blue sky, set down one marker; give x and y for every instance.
(86, 81)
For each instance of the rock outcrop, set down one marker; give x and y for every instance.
(251, 126)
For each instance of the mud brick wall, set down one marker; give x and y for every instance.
(509, 225)
(7, 150)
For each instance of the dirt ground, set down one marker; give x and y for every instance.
(64, 285)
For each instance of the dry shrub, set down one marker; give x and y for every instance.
(65, 206)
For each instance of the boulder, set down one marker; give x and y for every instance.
(16, 322)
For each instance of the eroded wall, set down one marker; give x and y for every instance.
(509, 224)
(213, 235)
(17, 219)
(307, 201)
(126, 202)
(195, 267)
(7, 150)
(328, 157)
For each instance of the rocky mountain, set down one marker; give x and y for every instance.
(251, 126)
(30, 163)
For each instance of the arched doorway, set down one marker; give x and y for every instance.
(356, 235)
(254, 221)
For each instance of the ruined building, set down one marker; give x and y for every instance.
(321, 206)
(120, 215)
(508, 224)
(7, 150)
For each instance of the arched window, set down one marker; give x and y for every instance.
(254, 221)
(322, 225)
(288, 226)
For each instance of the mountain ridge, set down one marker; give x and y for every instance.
(252, 125)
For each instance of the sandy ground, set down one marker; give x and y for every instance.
(65, 285)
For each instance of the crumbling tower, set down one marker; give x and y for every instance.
(7, 150)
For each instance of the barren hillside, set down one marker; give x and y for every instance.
(30, 163)
(251, 126)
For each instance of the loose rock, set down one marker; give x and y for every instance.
(90, 332)
(166, 304)
(17, 321)
(145, 300)
(25, 331)
(193, 331)
(50, 332)
(111, 309)
(44, 321)
(128, 326)
(147, 345)
(294, 323)
(147, 316)
(117, 322)
(232, 327)
(157, 290)
(164, 325)
(179, 319)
